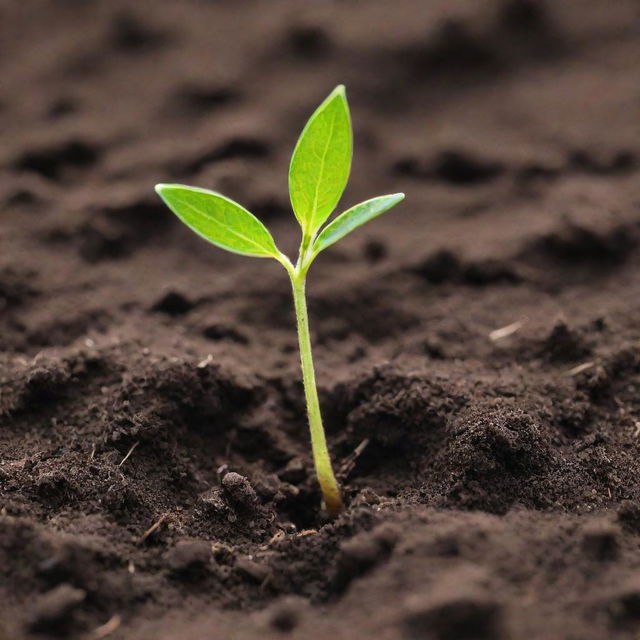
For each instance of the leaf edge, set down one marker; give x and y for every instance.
(316, 248)
(160, 187)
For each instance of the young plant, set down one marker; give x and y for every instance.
(318, 175)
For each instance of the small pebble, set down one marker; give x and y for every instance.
(239, 492)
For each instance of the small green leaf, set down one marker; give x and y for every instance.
(219, 220)
(353, 218)
(321, 162)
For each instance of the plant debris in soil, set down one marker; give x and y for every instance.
(478, 349)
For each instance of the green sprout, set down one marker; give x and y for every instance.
(318, 175)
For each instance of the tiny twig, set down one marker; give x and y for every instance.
(93, 452)
(505, 332)
(276, 537)
(574, 371)
(106, 629)
(265, 583)
(135, 444)
(350, 461)
(153, 528)
(204, 363)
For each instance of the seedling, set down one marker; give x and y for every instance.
(318, 175)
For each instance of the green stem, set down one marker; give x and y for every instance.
(326, 478)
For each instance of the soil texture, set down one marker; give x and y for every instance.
(477, 349)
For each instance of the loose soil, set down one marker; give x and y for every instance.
(155, 479)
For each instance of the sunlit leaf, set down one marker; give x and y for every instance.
(321, 162)
(219, 220)
(353, 218)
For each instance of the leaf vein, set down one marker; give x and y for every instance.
(224, 226)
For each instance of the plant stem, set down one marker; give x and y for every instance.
(324, 471)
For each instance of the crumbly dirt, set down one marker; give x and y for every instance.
(478, 349)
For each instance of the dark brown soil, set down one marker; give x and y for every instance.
(155, 479)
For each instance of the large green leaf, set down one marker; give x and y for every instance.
(353, 218)
(321, 162)
(219, 220)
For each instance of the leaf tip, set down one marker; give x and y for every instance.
(339, 92)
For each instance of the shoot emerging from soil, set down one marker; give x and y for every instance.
(318, 175)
